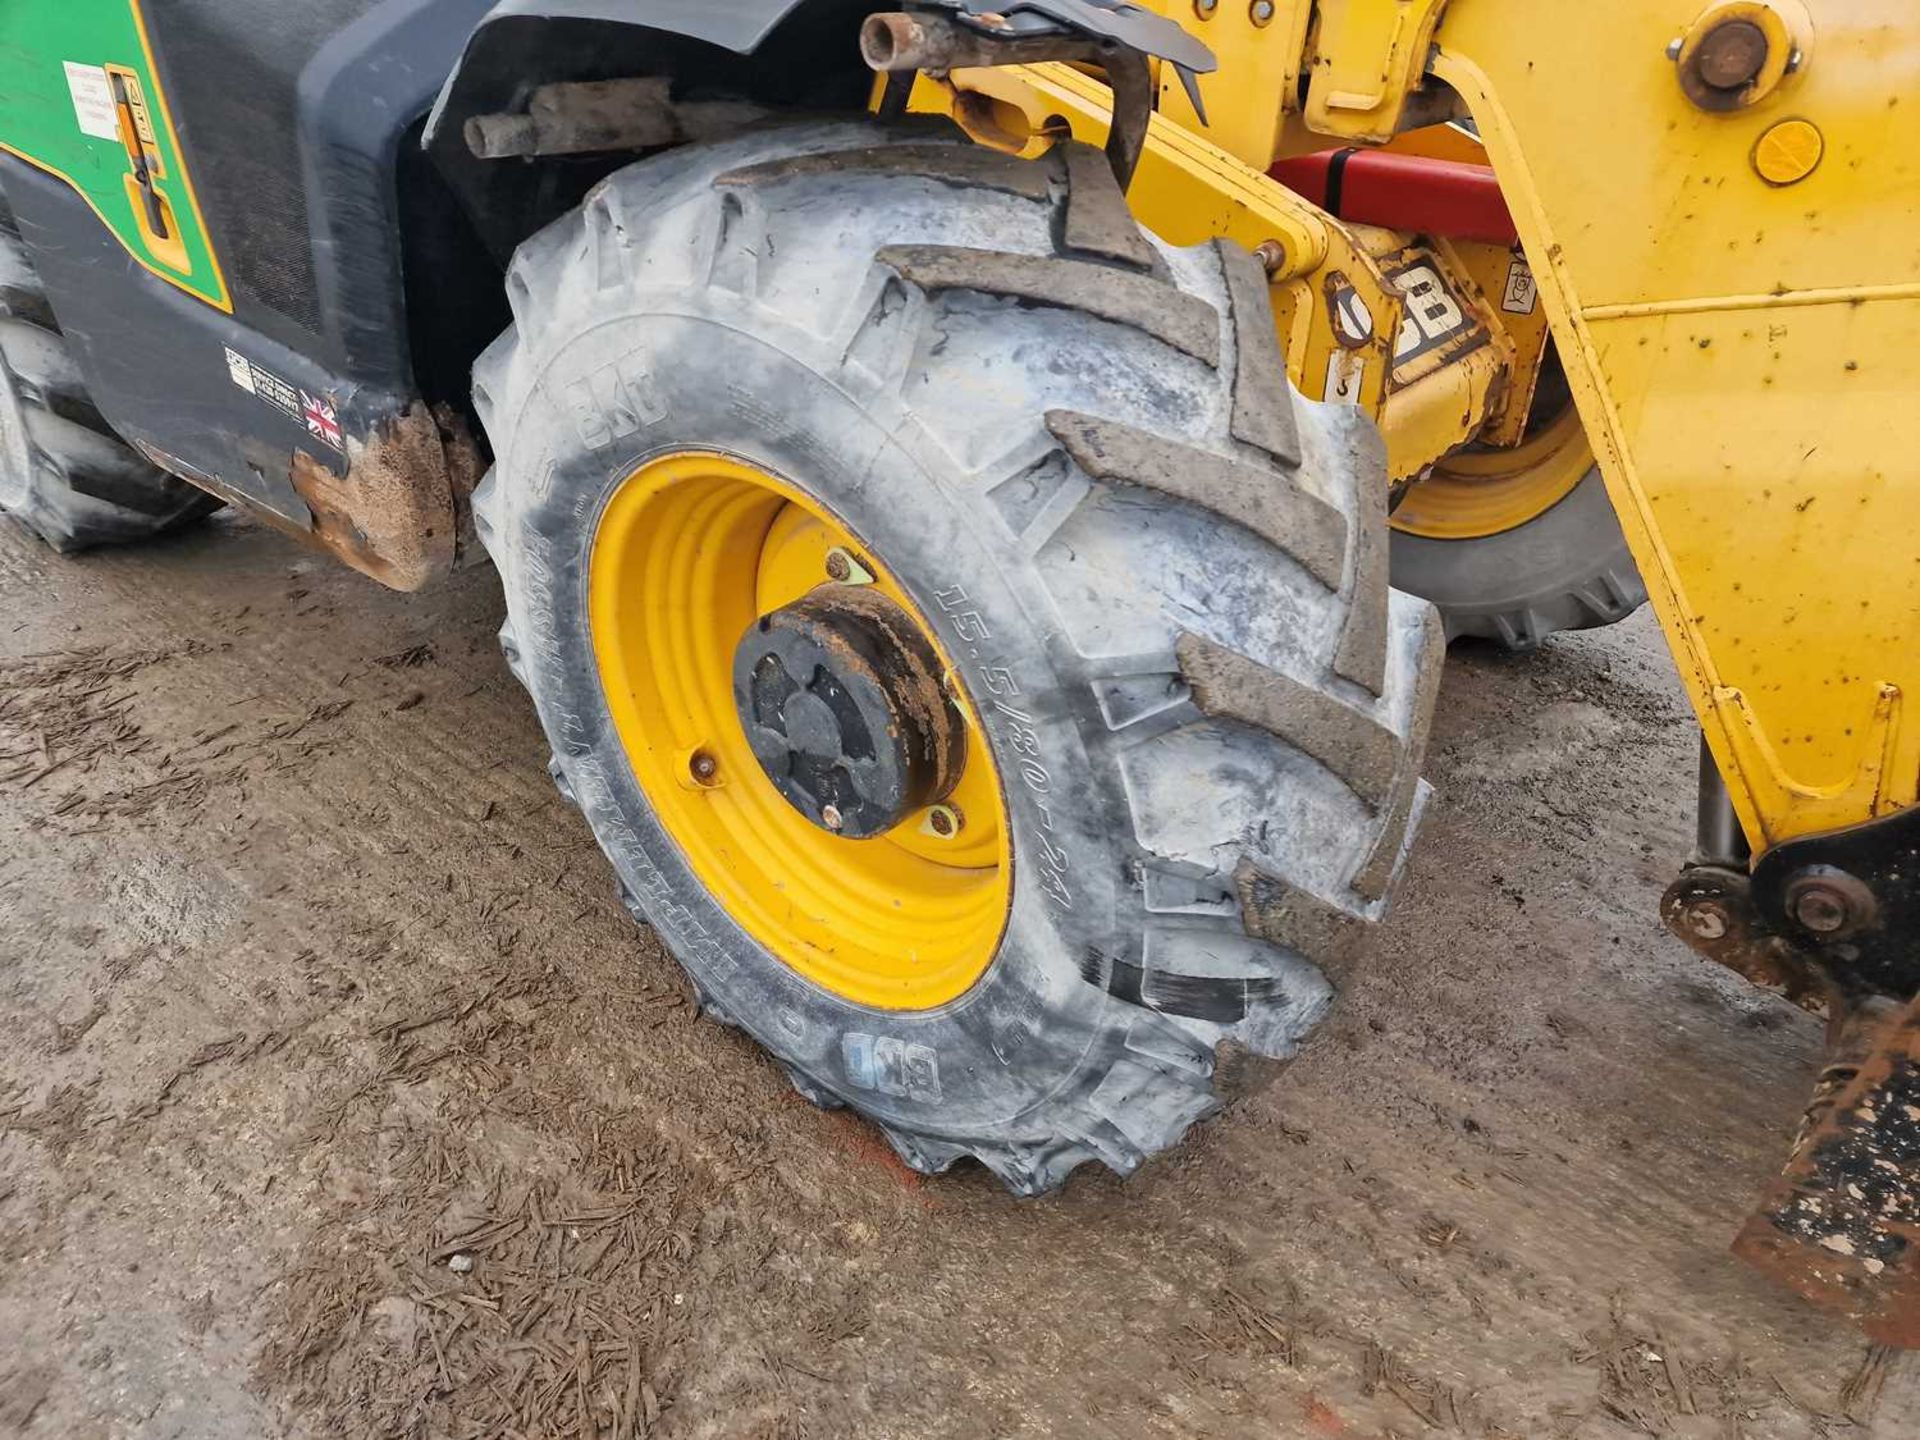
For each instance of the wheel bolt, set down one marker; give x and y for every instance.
(831, 817)
(703, 767)
(846, 568)
(945, 821)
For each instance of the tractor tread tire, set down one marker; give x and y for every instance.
(1566, 569)
(1202, 555)
(64, 474)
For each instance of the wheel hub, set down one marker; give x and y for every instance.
(841, 699)
(692, 551)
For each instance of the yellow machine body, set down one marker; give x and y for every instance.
(1732, 284)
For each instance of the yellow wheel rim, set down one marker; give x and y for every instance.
(1476, 493)
(691, 549)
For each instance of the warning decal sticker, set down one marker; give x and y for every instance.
(314, 412)
(92, 101)
(1521, 293)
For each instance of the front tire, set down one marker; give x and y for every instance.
(1159, 577)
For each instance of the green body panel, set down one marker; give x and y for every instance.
(39, 122)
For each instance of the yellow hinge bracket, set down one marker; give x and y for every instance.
(1368, 57)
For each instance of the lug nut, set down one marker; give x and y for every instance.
(846, 568)
(1261, 12)
(831, 817)
(703, 767)
(945, 821)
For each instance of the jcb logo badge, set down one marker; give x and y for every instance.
(1433, 316)
(613, 402)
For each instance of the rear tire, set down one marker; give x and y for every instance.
(1161, 576)
(64, 474)
(1514, 545)
(1568, 569)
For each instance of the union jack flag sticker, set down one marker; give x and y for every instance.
(322, 422)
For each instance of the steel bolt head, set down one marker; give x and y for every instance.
(1820, 909)
(1261, 12)
(831, 817)
(944, 821)
(702, 766)
(1205, 8)
(839, 567)
(1828, 901)
(1706, 920)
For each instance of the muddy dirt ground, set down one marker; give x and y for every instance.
(310, 984)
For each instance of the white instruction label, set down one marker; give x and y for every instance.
(1346, 372)
(92, 101)
(240, 371)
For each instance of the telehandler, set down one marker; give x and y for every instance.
(983, 487)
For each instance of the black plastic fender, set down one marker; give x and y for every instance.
(787, 53)
(739, 26)
(498, 60)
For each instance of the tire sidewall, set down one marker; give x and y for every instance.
(1033, 1023)
(16, 445)
(1535, 564)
